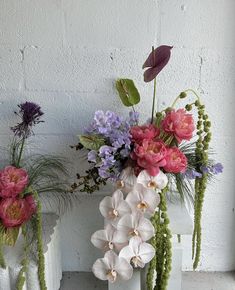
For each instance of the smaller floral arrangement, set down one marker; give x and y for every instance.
(21, 184)
(145, 162)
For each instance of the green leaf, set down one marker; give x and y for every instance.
(92, 142)
(128, 92)
(9, 236)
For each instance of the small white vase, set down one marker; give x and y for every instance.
(133, 284)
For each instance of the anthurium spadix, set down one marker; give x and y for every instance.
(112, 267)
(138, 253)
(143, 200)
(114, 207)
(136, 224)
(109, 239)
(157, 182)
(127, 180)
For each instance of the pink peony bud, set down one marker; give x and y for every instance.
(176, 161)
(180, 124)
(148, 132)
(15, 211)
(12, 181)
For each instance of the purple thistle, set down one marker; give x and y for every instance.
(30, 114)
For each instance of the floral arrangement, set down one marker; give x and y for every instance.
(21, 183)
(146, 163)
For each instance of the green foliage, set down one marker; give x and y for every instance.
(2, 260)
(128, 92)
(92, 142)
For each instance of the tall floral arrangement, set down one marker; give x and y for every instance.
(146, 162)
(22, 182)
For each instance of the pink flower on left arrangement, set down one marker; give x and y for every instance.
(150, 155)
(148, 132)
(180, 124)
(15, 211)
(176, 161)
(12, 181)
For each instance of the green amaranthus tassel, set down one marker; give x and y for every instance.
(41, 259)
(202, 145)
(21, 277)
(162, 244)
(2, 260)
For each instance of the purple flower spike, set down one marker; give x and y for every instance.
(192, 174)
(30, 114)
(156, 61)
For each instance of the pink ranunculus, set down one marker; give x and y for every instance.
(180, 124)
(150, 155)
(148, 132)
(12, 181)
(15, 211)
(176, 161)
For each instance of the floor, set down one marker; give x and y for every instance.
(191, 281)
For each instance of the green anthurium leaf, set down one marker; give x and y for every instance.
(9, 236)
(92, 142)
(128, 92)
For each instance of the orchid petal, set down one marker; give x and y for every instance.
(123, 268)
(146, 252)
(100, 269)
(127, 179)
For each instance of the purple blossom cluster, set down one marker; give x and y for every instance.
(116, 131)
(213, 169)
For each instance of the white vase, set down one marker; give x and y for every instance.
(133, 284)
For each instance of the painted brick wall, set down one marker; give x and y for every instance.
(65, 55)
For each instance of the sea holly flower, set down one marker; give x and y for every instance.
(15, 211)
(148, 132)
(136, 225)
(109, 239)
(176, 161)
(113, 208)
(156, 61)
(143, 200)
(126, 180)
(12, 181)
(157, 182)
(137, 253)
(112, 267)
(180, 124)
(150, 155)
(30, 113)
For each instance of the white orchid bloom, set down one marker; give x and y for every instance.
(113, 208)
(137, 253)
(136, 225)
(112, 267)
(127, 179)
(109, 239)
(143, 199)
(157, 182)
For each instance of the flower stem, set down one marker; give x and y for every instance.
(21, 152)
(2, 260)
(154, 98)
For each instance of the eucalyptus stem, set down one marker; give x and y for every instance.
(21, 152)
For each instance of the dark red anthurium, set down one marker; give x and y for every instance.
(156, 61)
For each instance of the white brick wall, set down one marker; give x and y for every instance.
(65, 55)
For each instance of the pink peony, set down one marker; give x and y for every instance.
(15, 211)
(150, 155)
(12, 181)
(176, 161)
(179, 123)
(148, 132)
